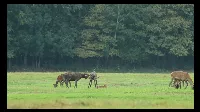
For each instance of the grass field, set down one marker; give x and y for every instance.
(34, 90)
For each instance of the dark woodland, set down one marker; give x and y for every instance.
(104, 37)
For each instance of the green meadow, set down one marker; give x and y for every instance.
(34, 90)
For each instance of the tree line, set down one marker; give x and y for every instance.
(108, 36)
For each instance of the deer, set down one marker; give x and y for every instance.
(70, 76)
(59, 80)
(182, 76)
(104, 86)
(73, 76)
(93, 76)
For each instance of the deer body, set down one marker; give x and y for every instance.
(104, 86)
(182, 76)
(70, 76)
(93, 76)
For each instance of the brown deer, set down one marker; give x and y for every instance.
(104, 86)
(59, 79)
(182, 76)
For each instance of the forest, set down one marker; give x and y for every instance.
(104, 37)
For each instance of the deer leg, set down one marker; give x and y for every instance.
(66, 82)
(75, 84)
(62, 83)
(186, 84)
(70, 83)
(96, 83)
(90, 83)
(170, 82)
(183, 83)
(57, 82)
(174, 83)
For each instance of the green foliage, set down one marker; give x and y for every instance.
(170, 31)
(132, 33)
(97, 40)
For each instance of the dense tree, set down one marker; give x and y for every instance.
(94, 35)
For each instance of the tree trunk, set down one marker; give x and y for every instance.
(33, 63)
(157, 62)
(97, 62)
(106, 62)
(25, 60)
(38, 62)
(115, 36)
(111, 61)
(9, 63)
(173, 63)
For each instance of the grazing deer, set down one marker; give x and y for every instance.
(70, 76)
(104, 86)
(182, 76)
(73, 76)
(59, 79)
